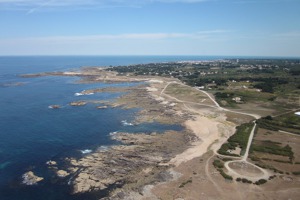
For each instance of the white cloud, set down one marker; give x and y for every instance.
(291, 34)
(207, 42)
(131, 36)
(133, 43)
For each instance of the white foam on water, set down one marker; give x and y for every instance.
(103, 148)
(113, 133)
(25, 180)
(55, 106)
(83, 93)
(86, 151)
(125, 123)
(78, 94)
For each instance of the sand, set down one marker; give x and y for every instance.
(207, 130)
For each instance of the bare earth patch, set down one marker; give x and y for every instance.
(208, 131)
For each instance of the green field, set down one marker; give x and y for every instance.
(239, 139)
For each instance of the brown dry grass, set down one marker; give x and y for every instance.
(282, 187)
(282, 139)
(187, 93)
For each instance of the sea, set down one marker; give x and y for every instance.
(31, 133)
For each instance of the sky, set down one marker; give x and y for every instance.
(150, 27)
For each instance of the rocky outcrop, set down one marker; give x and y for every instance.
(51, 163)
(54, 106)
(62, 173)
(141, 160)
(78, 103)
(29, 178)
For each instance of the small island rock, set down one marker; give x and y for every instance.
(29, 178)
(62, 173)
(78, 103)
(51, 163)
(54, 106)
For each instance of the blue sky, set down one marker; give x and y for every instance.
(150, 27)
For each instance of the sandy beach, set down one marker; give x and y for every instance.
(209, 132)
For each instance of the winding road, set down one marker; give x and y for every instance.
(243, 160)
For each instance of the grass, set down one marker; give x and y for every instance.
(187, 93)
(260, 182)
(296, 173)
(289, 122)
(246, 96)
(239, 139)
(254, 96)
(184, 183)
(225, 99)
(270, 147)
(218, 164)
(225, 176)
(243, 180)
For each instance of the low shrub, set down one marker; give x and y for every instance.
(260, 182)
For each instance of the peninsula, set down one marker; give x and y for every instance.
(240, 138)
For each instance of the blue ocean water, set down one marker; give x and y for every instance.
(31, 133)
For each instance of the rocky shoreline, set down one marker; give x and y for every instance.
(138, 161)
(141, 160)
(90, 75)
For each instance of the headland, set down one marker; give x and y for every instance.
(216, 156)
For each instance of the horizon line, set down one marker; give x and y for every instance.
(140, 55)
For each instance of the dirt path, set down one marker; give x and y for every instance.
(265, 174)
(289, 133)
(249, 143)
(217, 106)
(255, 116)
(218, 188)
(200, 149)
(242, 113)
(168, 83)
(212, 99)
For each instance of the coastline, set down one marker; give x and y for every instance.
(157, 153)
(169, 165)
